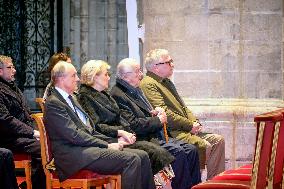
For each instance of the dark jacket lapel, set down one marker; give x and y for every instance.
(73, 115)
(132, 97)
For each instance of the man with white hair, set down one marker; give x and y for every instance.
(148, 124)
(161, 92)
(76, 144)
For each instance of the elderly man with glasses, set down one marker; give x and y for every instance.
(16, 125)
(161, 92)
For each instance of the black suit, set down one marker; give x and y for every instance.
(76, 146)
(137, 112)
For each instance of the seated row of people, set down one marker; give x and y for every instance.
(120, 126)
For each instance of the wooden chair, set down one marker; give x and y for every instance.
(82, 179)
(40, 102)
(23, 161)
(263, 171)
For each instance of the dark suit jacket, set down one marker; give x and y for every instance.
(103, 110)
(16, 123)
(74, 145)
(136, 112)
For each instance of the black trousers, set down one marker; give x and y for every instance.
(7, 170)
(133, 165)
(32, 147)
(186, 166)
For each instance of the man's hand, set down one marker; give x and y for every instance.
(115, 146)
(36, 134)
(130, 138)
(196, 128)
(159, 109)
(163, 117)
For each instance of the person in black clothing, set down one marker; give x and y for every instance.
(17, 131)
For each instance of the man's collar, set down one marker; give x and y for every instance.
(125, 84)
(63, 93)
(11, 84)
(6, 82)
(155, 76)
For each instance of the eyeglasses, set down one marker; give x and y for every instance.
(9, 67)
(135, 71)
(171, 61)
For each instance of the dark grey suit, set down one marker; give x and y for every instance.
(76, 146)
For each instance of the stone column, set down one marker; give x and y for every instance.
(75, 36)
(84, 31)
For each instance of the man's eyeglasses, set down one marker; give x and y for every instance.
(167, 62)
(138, 71)
(9, 67)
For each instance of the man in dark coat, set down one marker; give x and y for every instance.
(148, 124)
(77, 145)
(16, 126)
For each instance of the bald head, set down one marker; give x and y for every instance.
(126, 65)
(64, 76)
(128, 69)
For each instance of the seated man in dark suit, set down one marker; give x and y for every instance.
(7, 170)
(148, 124)
(161, 92)
(77, 145)
(16, 126)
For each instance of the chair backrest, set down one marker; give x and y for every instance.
(275, 177)
(46, 155)
(268, 125)
(40, 102)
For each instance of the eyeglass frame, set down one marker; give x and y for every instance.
(9, 67)
(136, 72)
(171, 61)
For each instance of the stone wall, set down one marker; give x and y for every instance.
(227, 57)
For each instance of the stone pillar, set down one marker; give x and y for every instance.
(75, 36)
(84, 31)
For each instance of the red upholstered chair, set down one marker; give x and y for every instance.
(268, 127)
(82, 179)
(23, 161)
(235, 174)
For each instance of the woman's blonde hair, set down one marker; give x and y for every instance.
(92, 68)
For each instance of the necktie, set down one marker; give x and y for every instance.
(73, 104)
(85, 121)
